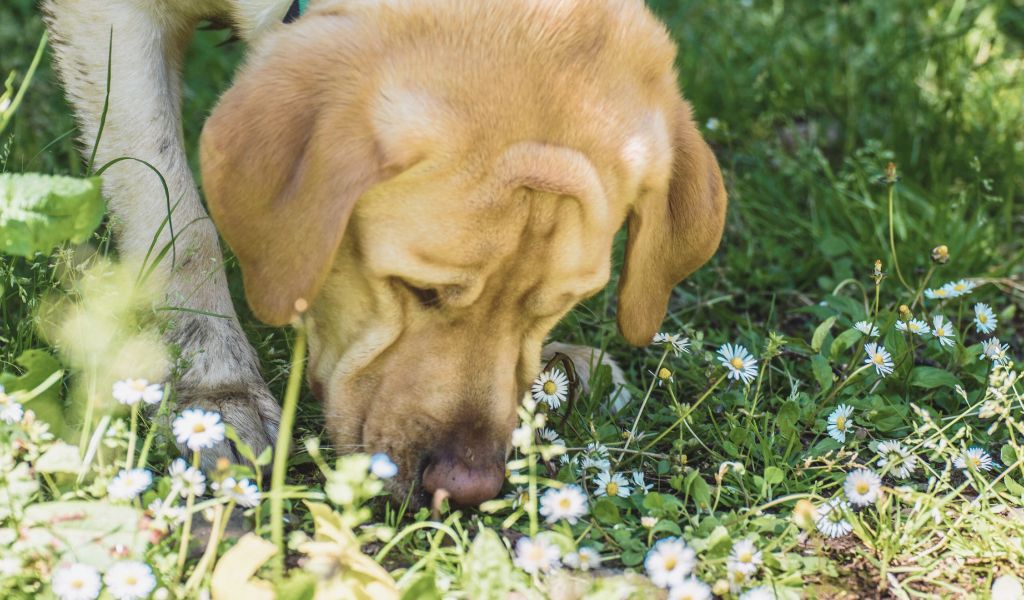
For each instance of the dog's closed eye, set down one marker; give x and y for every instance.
(426, 296)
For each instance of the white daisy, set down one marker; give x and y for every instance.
(550, 436)
(382, 467)
(133, 391)
(639, 483)
(536, 555)
(866, 328)
(994, 350)
(761, 592)
(198, 429)
(242, 491)
(736, 576)
(914, 326)
(519, 496)
(10, 410)
(840, 423)
(129, 580)
(690, 588)
(76, 582)
(862, 487)
(745, 557)
(552, 388)
(611, 484)
(595, 456)
(129, 483)
(959, 288)
(673, 341)
(10, 566)
(648, 521)
(584, 559)
(900, 461)
(569, 503)
(712, 124)
(943, 331)
(522, 437)
(984, 319)
(669, 562)
(738, 360)
(974, 458)
(831, 518)
(941, 293)
(189, 479)
(169, 513)
(879, 358)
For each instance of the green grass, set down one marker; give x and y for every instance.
(811, 100)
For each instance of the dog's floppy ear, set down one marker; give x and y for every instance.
(284, 158)
(671, 236)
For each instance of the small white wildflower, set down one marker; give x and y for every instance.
(840, 422)
(894, 456)
(382, 467)
(761, 592)
(536, 555)
(913, 326)
(189, 480)
(11, 411)
(639, 483)
(198, 429)
(584, 559)
(129, 483)
(568, 503)
(943, 331)
(745, 557)
(690, 588)
(595, 456)
(522, 436)
(168, 513)
(712, 124)
(974, 457)
(862, 487)
(672, 341)
(738, 360)
(831, 518)
(242, 491)
(129, 580)
(648, 522)
(959, 288)
(76, 582)
(941, 293)
(879, 358)
(552, 388)
(1007, 587)
(866, 328)
(133, 391)
(994, 350)
(984, 319)
(611, 484)
(669, 562)
(550, 437)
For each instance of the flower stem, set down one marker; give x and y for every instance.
(132, 434)
(187, 525)
(282, 448)
(892, 242)
(647, 396)
(151, 433)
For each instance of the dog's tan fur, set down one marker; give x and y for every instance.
(442, 181)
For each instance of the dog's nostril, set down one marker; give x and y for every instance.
(467, 486)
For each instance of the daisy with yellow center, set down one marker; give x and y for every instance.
(611, 484)
(739, 362)
(974, 458)
(913, 326)
(840, 423)
(984, 319)
(11, 411)
(896, 459)
(831, 518)
(669, 562)
(937, 294)
(76, 582)
(672, 341)
(129, 580)
(943, 331)
(536, 555)
(879, 358)
(862, 487)
(567, 503)
(690, 588)
(198, 429)
(551, 388)
(745, 557)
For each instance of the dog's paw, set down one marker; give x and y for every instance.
(584, 360)
(249, 408)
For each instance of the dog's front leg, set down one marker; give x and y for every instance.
(144, 122)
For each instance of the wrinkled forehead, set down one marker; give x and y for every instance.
(438, 227)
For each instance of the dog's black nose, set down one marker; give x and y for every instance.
(468, 479)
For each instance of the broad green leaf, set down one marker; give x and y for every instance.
(423, 588)
(931, 377)
(1007, 455)
(38, 212)
(38, 366)
(773, 475)
(843, 342)
(92, 532)
(822, 372)
(819, 334)
(606, 512)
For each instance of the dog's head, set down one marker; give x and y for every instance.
(442, 182)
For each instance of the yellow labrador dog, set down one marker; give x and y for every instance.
(440, 181)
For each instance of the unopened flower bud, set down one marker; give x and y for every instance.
(804, 514)
(940, 254)
(905, 313)
(721, 588)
